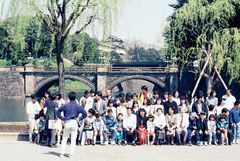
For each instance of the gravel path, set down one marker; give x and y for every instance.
(24, 151)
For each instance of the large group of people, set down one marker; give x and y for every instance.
(136, 119)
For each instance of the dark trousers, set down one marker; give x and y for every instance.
(133, 135)
(202, 137)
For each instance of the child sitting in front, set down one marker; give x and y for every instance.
(98, 129)
(222, 129)
(88, 128)
(192, 127)
(119, 128)
(151, 129)
(212, 129)
(38, 132)
(202, 128)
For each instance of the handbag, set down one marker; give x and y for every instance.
(51, 124)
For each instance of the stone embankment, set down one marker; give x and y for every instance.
(11, 84)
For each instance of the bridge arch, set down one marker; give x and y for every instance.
(153, 80)
(46, 83)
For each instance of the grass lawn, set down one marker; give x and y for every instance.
(3, 63)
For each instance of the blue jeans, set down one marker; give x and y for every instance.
(236, 131)
(189, 137)
(113, 132)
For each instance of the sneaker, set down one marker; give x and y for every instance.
(60, 155)
(215, 143)
(237, 141)
(106, 143)
(199, 143)
(234, 142)
(205, 143)
(70, 156)
(189, 144)
(133, 143)
(210, 143)
(112, 142)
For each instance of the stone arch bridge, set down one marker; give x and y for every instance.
(97, 77)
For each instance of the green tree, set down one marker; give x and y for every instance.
(3, 42)
(14, 44)
(202, 29)
(44, 42)
(91, 52)
(31, 38)
(115, 57)
(140, 53)
(60, 17)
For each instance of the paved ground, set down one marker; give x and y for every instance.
(24, 151)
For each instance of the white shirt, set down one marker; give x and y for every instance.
(122, 110)
(61, 102)
(32, 109)
(147, 109)
(82, 99)
(177, 100)
(160, 120)
(130, 121)
(89, 103)
(219, 109)
(230, 100)
(185, 120)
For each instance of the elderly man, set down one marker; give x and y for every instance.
(182, 125)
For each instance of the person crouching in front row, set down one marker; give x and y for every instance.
(222, 130)
(110, 127)
(98, 129)
(151, 129)
(192, 128)
(202, 128)
(88, 128)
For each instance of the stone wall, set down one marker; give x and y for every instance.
(11, 84)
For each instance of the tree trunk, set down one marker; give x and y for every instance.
(209, 83)
(61, 72)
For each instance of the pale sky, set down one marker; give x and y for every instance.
(144, 21)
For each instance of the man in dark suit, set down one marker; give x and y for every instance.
(170, 103)
(200, 106)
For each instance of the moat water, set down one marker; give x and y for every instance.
(14, 110)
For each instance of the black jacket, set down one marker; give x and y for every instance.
(142, 121)
(202, 125)
(51, 112)
(172, 104)
(204, 108)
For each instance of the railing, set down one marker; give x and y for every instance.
(93, 69)
(137, 69)
(72, 69)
